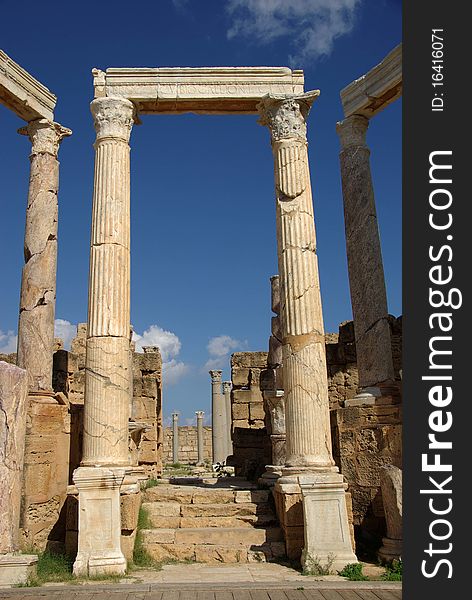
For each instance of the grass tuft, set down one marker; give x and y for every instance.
(393, 571)
(353, 572)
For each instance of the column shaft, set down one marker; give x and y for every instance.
(229, 420)
(175, 437)
(107, 405)
(308, 441)
(364, 257)
(218, 418)
(38, 284)
(200, 442)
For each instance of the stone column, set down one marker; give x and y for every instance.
(106, 404)
(200, 440)
(38, 284)
(175, 437)
(229, 420)
(218, 418)
(309, 462)
(364, 257)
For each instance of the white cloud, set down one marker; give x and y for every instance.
(169, 346)
(66, 331)
(219, 348)
(311, 25)
(8, 342)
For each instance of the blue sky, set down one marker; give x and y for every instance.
(202, 191)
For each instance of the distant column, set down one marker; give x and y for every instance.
(229, 420)
(38, 283)
(200, 442)
(365, 266)
(218, 418)
(175, 437)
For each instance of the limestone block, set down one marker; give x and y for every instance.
(256, 412)
(158, 536)
(241, 424)
(249, 359)
(13, 407)
(216, 496)
(16, 569)
(239, 509)
(240, 376)
(240, 411)
(173, 493)
(235, 536)
(129, 506)
(164, 552)
(127, 544)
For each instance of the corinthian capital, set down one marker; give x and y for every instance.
(285, 116)
(215, 376)
(45, 136)
(113, 117)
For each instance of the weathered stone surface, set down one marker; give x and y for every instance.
(391, 485)
(215, 496)
(220, 554)
(163, 552)
(38, 286)
(129, 507)
(365, 267)
(13, 407)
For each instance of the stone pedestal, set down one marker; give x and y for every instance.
(326, 527)
(275, 403)
(365, 266)
(14, 568)
(38, 283)
(200, 441)
(107, 378)
(99, 551)
(175, 437)
(227, 397)
(218, 418)
(308, 434)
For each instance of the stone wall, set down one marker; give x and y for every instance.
(364, 439)
(341, 360)
(251, 443)
(188, 449)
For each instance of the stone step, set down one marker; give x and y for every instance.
(216, 554)
(204, 495)
(212, 536)
(173, 515)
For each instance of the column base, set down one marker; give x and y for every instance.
(327, 538)
(271, 475)
(390, 550)
(99, 544)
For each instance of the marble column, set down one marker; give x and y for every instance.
(218, 418)
(229, 420)
(106, 404)
(365, 267)
(309, 469)
(200, 441)
(175, 437)
(38, 284)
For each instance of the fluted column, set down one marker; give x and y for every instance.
(364, 258)
(308, 441)
(200, 441)
(38, 284)
(218, 418)
(106, 406)
(309, 471)
(175, 437)
(229, 420)
(107, 362)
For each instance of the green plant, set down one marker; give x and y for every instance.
(141, 558)
(312, 565)
(393, 571)
(150, 483)
(50, 567)
(353, 572)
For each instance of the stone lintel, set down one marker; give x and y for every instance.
(207, 90)
(22, 93)
(375, 90)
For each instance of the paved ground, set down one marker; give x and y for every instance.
(253, 581)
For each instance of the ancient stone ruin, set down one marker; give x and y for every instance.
(312, 428)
